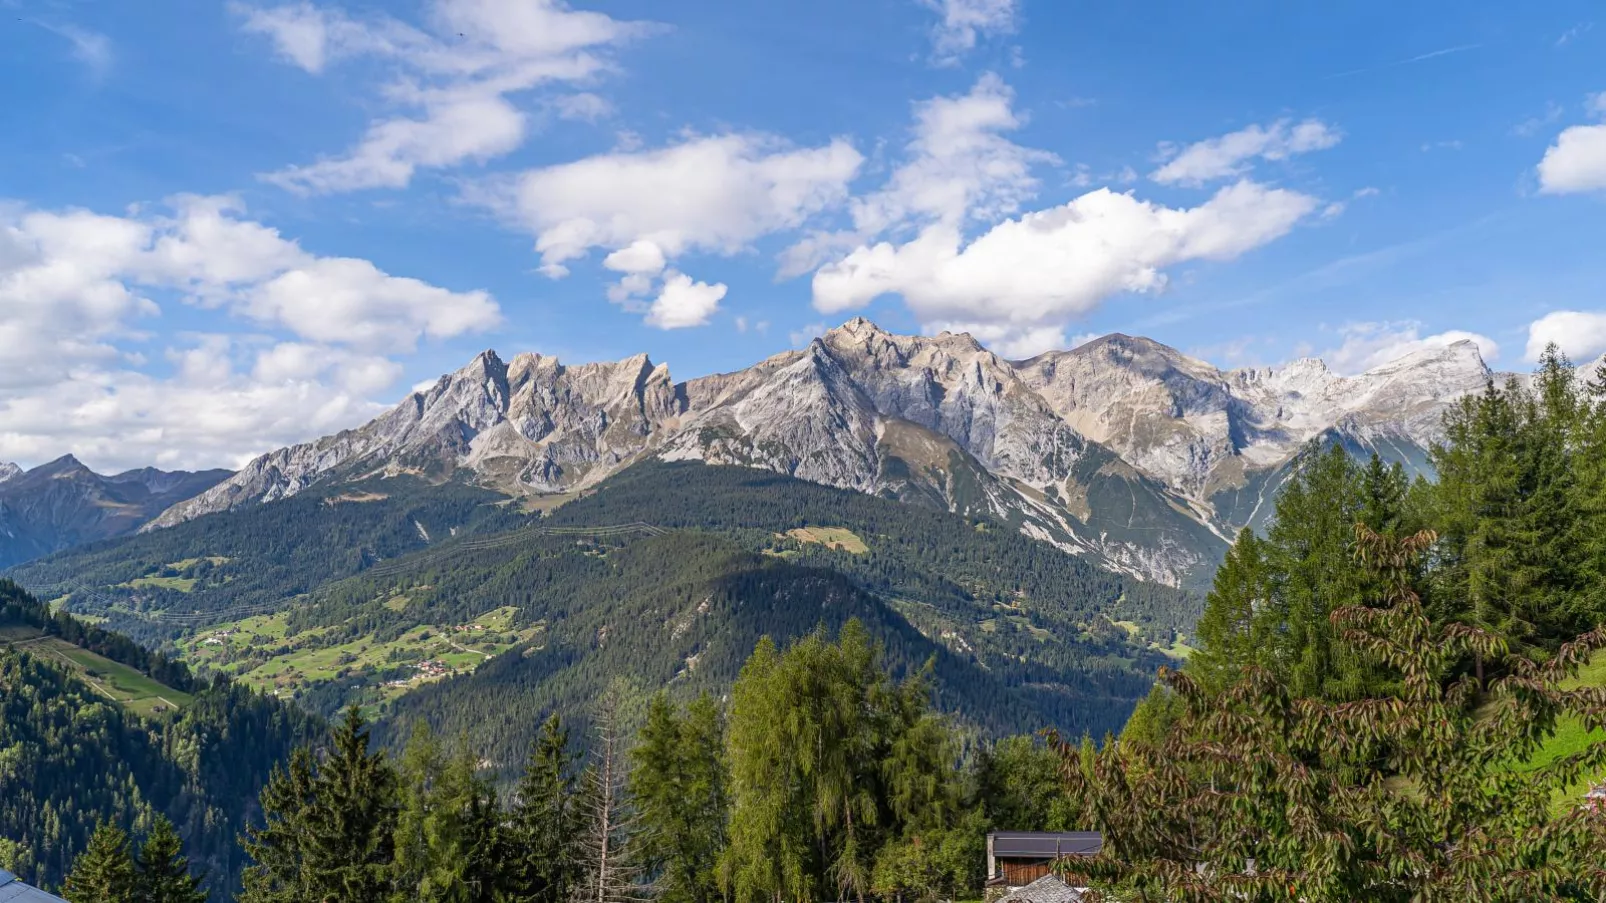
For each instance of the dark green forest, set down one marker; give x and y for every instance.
(70, 759)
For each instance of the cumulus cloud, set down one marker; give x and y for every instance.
(1044, 268)
(222, 405)
(454, 79)
(77, 290)
(1577, 161)
(1369, 345)
(958, 168)
(1581, 334)
(684, 302)
(1230, 155)
(963, 22)
(712, 194)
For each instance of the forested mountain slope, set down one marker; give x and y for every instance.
(333, 597)
(74, 753)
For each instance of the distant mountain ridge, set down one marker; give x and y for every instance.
(1122, 449)
(63, 503)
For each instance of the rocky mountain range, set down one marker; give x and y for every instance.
(63, 503)
(1122, 449)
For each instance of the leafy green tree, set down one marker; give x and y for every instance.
(830, 761)
(1017, 785)
(1271, 601)
(1234, 629)
(447, 832)
(540, 857)
(104, 872)
(164, 871)
(329, 831)
(1264, 795)
(679, 784)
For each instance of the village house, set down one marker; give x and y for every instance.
(1020, 864)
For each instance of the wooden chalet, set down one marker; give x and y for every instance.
(1015, 859)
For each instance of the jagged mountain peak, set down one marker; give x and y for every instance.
(9, 470)
(1055, 444)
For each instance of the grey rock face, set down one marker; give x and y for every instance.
(1114, 449)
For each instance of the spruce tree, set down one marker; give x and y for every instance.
(164, 872)
(540, 841)
(104, 871)
(329, 831)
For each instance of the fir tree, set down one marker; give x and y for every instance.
(329, 831)
(541, 856)
(104, 872)
(164, 872)
(1262, 795)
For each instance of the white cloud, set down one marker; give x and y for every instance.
(1581, 334)
(341, 300)
(684, 302)
(1046, 267)
(1009, 342)
(1231, 155)
(959, 167)
(964, 22)
(801, 337)
(77, 287)
(458, 78)
(1368, 345)
(92, 49)
(713, 194)
(585, 106)
(212, 412)
(1577, 161)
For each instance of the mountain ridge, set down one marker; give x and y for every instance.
(62, 503)
(1122, 448)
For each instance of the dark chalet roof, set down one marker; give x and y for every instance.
(14, 891)
(1045, 844)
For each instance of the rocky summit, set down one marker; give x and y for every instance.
(1121, 449)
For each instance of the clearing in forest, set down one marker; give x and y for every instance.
(840, 538)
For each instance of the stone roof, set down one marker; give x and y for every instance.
(14, 891)
(1048, 889)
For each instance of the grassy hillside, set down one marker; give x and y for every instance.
(113, 680)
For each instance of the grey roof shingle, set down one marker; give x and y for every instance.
(14, 891)
(1048, 889)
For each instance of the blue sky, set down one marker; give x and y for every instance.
(226, 227)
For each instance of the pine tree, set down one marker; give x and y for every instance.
(104, 871)
(1234, 629)
(164, 872)
(541, 854)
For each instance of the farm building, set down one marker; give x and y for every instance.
(1021, 860)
